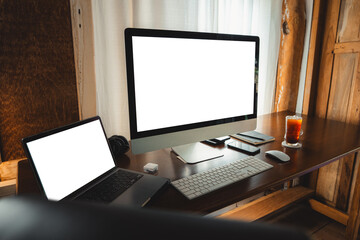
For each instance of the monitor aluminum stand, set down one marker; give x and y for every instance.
(196, 152)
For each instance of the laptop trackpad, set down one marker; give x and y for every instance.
(142, 191)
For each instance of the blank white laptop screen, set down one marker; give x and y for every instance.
(68, 160)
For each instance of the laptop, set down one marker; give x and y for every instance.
(75, 162)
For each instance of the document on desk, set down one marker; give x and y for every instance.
(196, 152)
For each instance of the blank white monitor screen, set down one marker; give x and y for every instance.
(181, 80)
(180, 77)
(69, 159)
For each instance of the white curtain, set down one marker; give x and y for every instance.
(111, 17)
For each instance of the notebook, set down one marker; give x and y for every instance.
(254, 137)
(73, 161)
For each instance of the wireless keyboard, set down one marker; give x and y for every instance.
(205, 182)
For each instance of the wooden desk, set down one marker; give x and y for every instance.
(323, 141)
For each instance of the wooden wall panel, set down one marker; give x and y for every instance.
(348, 173)
(335, 93)
(352, 228)
(353, 114)
(334, 180)
(344, 71)
(326, 61)
(327, 181)
(349, 16)
(344, 97)
(344, 185)
(318, 83)
(338, 93)
(37, 73)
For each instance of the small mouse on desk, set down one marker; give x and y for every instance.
(278, 155)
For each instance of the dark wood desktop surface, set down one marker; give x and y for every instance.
(323, 141)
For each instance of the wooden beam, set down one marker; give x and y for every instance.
(8, 169)
(83, 40)
(329, 211)
(353, 223)
(347, 47)
(268, 204)
(354, 188)
(313, 58)
(8, 188)
(290, 54)
(326, 62)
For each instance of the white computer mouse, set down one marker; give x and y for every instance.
(278, 155)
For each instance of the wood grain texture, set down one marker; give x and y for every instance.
(37, 73)
(267, 204)
(327, 181)
(326, 61)
(338, 95)
(290, 54)
(349, 21)
(329, 211)
(312, 68)
(344, 73)
(345, 182)
(7, 188)
(353, 183)
(343, 103)
(83, 35)
(9, 170)
(348, 47)
(353, 113)
(320, 147)
(352, 227)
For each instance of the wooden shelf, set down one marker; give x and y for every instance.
(268, 204)
(329, 211)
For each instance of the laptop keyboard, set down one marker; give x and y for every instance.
(111, 187)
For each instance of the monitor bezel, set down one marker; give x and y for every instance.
(131, 32)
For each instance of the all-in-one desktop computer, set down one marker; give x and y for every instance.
(185, 87)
